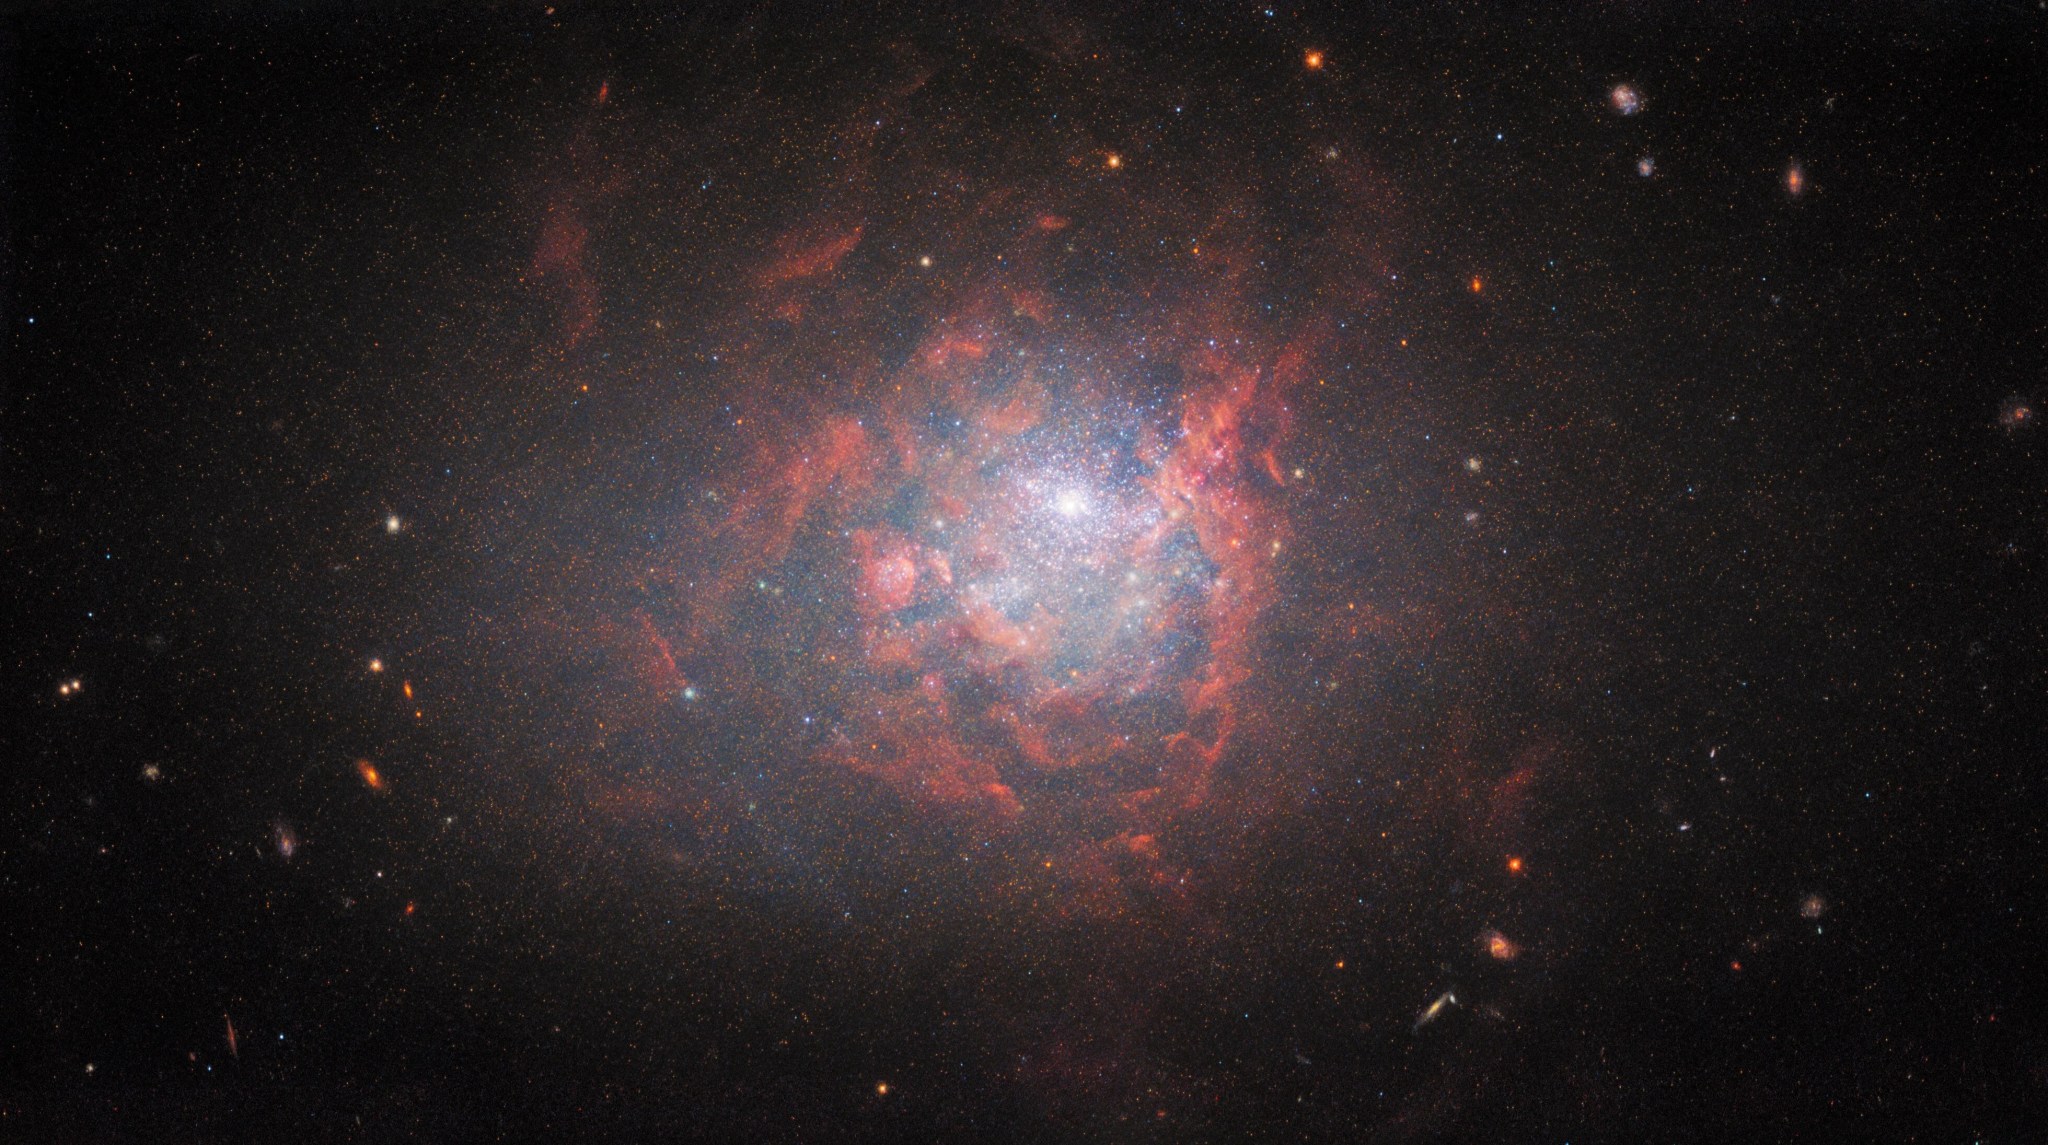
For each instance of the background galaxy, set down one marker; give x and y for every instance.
(784, 573)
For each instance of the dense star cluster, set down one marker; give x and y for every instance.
(1266, 573)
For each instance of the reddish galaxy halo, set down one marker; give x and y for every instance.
(1029, 517)
(993, 497)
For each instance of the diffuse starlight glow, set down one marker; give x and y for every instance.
(1032, 596)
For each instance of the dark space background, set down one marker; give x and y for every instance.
(1702, 511)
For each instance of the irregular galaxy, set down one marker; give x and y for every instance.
(1014, 547)
(1023, 542)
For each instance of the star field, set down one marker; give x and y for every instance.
(1221, 573)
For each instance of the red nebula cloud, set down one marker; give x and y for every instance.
(808, 253)
(888, 571)
(558, 263)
